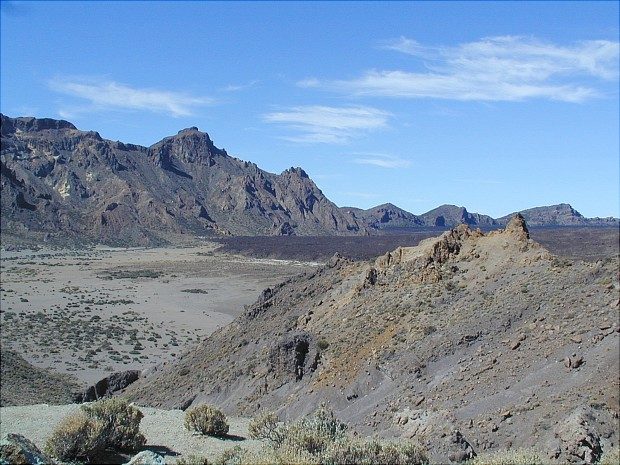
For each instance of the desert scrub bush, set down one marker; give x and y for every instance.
(266, 456)
(510, 457)
(373, 452)
(193, 460)
(121, 423)
(312, 434)
(265, 426)
(76, 437)
(206, 419)
(610, 456)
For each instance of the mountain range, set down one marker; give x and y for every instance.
(59, 181)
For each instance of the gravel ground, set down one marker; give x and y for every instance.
(163, 429)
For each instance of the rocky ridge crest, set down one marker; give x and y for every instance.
(467, 332)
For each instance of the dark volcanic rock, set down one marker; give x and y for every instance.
(109, 385)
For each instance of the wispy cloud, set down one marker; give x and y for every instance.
(381, 160)
(329, 125)
(239, 87)
(110, 95)
(506, 68)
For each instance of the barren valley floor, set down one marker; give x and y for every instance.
(94, 311)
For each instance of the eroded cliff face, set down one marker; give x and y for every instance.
(467, 341)
(59, 180)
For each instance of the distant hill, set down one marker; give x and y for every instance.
(388, 217)
(384, 217)
(558, 215)
(451, 215)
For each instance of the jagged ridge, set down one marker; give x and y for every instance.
(447, 334)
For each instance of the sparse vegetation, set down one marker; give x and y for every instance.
(318, 439)
(206, 420)
(77, 437)
(121, 423)
(264, 426)
(193, 460)
(106, 424)
(510, 457)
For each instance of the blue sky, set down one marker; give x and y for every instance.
(494, 106)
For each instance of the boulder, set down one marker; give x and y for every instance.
(16, 449)
(109, 385)
(147, 457)
(577, 439)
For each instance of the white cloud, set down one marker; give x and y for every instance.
(330, 125)
(106, 95)
(239, 87)
(381, 160)
(309, 82)
(506, 68)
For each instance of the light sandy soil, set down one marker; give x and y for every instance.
(94, 311)
(163, 429)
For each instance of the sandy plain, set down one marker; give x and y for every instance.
(90, 312)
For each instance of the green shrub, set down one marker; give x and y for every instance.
(206, 419)
(510, 457)
(76, 437)
(264, 426)
(312, 434)
(374, 453)
(121, 423)
(266, 456)
(105, 424)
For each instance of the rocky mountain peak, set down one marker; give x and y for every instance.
(296, 171)
(31, 124)
(518, 228)
(189, 130)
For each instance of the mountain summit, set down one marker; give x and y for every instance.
(56, 178)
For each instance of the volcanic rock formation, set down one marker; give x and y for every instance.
(56, 179)
(462, 338)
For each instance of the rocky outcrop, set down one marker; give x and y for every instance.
(147, 457)
(467, 330)
(18, 450)
(109, 385)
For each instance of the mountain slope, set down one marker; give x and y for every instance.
(487, 334)
(559, 215)
(449, 216)
(57, 178)
(384, 217)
